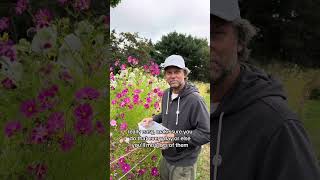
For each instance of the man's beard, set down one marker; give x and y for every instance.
(224, 72)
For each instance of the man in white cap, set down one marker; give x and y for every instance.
(254, 134)
(182, 109)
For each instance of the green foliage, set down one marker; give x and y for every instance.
(76, 46)
(114, 3)
(128, 44)
(195, 51)
(288, 30)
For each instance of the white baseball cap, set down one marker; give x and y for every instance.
(175, 60)
(225, 9)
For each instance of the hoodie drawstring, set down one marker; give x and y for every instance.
(177, 112)
(178, 108)
(216, 157)
(168, 102)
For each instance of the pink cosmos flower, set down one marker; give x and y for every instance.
(113, 102)
(119, 95)
(8, 50)
(146, 106)
(154, 158)
(122, 161)
(12, 128)
(113, 122)
(149, 100)
(55, 122)
(123, 67)
(29, 108)
(7, 83)
(84, 127)
(117, 63)
(137, 91)
(154, 69)
(21, 6)
(4, 24)
(87, 93)
(43, 18)
(67, 142)
(127, 100)
(46, 97)
(125, 168)
(136, 99)
(154, 171)
(132, 60)
(123, 126)
(156, 105)
(83, 112)
(156, 90)
(124, 92)
(122, 104)
(141, 171)
(39, 134)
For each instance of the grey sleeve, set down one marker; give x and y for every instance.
(200, 119)
(289, 155)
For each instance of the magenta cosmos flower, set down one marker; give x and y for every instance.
(154, 171)
(7, 83)
(4, 24)
(21, 6)
(46, 97)
(43, 18)
(87, 93)
(84, 126)
(39, 134)
(55, 122)
(125, 167)
(83, 112)
(141, 171)
(67, 142)
(8, 50)
(12, 128)
(123, 126)
(29, 108)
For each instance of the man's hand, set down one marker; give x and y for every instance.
(146, 122)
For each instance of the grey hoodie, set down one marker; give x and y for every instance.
(186, 112)
(255, 135)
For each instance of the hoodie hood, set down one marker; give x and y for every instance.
(252, 85)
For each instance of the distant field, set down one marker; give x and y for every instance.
(297, 83)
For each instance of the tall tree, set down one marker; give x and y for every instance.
(194, 50)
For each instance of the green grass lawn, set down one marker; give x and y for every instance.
(311, 121)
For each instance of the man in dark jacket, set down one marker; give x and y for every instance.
(254, 134)
(183, 111)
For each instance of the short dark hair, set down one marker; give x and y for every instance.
(245, 32)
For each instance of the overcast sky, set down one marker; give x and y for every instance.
(154, 18)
